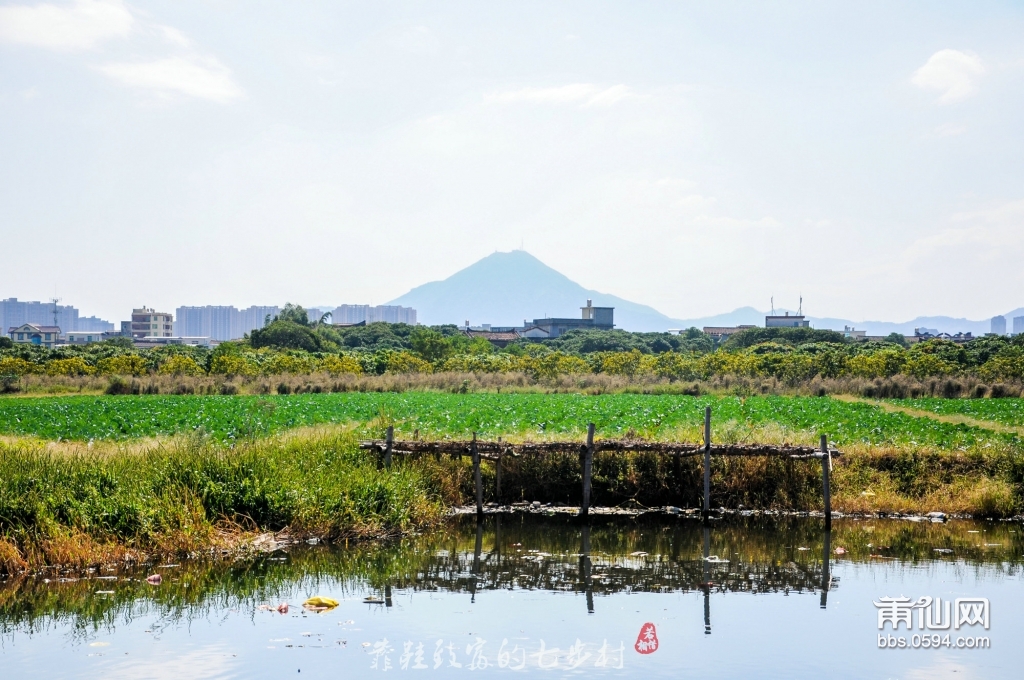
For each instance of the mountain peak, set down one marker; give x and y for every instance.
(506, 288)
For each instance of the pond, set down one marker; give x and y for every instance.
(747, 597)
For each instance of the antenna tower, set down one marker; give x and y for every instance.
(800, 310)
(56, 312)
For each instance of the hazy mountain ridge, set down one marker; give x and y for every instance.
(504, 289)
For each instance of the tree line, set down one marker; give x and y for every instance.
(294, 343)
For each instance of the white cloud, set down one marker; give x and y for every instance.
(989, 239)
(82, 25)
(585, 94)
(203, 78)
(951, 72)
(174, 36)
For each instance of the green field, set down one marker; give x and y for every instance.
(1003, 411)
(437, 414)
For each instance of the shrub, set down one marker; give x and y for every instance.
(17, 367)
(232, 364)
(125, 364)
(72, 366)
(405, 362)
(180, 365)
(336, 365)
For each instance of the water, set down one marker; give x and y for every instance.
(542, 597)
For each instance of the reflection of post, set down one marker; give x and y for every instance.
(707, 578)
(387, 595)
(497, 536)
(826, 465)
(476, 478)
(476, 558)
(707, 462)
(588, 465)
(826, 578)
(586, 568)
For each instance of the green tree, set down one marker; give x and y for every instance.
(430, 344)
(286, 334)
(294, 313)
(896, 339)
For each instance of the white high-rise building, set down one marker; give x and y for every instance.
(15, 312)
(1018, 325)
(220, 322)
(998, 325)
(388, 313)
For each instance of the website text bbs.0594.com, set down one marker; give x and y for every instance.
(935, 617)
(934, 641)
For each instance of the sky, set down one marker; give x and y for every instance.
(696, 157)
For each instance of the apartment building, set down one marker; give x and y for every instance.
(147, 323)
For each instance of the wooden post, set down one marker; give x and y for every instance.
(588, 465)
(826, 459)
(476, 478)
(387, 446)
(707, 461)
(497, 478)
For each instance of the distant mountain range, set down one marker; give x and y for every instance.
(505, 289)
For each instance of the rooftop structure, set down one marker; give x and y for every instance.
(786, 321)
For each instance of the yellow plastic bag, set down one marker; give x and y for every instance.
(320, 602)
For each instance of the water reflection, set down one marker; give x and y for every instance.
(524, 553)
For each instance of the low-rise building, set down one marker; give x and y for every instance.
(86, 337)
(148, 322)
(35, 334)
(722, 333)
(592, 318)
(152, 341)
(851, 332)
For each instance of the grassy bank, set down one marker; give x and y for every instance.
(76, 504)
(70, 504)
(116, 478)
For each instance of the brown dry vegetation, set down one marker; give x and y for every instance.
(898, 386)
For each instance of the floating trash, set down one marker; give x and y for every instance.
(319, 603)
(154, 580)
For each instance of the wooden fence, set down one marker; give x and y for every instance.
(495, 451)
